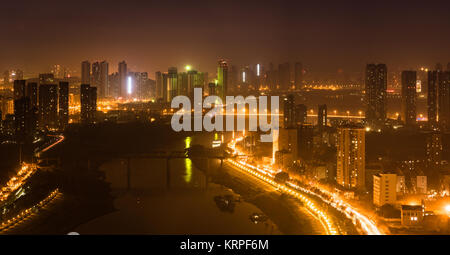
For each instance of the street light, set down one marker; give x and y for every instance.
(447, 209)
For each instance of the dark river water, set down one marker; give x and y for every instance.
(187, 206)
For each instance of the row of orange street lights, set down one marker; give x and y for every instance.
(267, 177)
(368, 226)
(17, 180)
(29, 213)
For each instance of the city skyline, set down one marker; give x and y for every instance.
(249, 32)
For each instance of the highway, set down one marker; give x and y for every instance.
(267, 174)
(30, 213)
(16, 182)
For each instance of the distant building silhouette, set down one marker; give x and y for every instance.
(48, 106)
(88, 100)
(409, 79)
(376, 86)
(63, 103)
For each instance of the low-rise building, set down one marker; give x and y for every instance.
(412, 215)
(384, 189)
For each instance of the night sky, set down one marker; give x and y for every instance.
(152, 35)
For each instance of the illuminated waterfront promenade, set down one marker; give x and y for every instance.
(266, 174)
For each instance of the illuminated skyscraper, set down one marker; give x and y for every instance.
(63, 103)
(376, 85)
(289, 112)
(351, 157)
(24, 121)
(100, 78)
(161, 91)
(409, 79)
(48, 106)
(85, 72)
(138, 81)
(434, 149)
(32, 93)
(88, 100)
(173, 89)
(444, 99)
(322, 116)
(222, 79)
(123, 74)
(432, 98)
(300, 114)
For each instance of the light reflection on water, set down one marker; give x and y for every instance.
(188, 206)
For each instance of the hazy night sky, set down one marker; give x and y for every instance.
(152, 35)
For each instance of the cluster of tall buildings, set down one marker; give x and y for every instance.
(173, 83)
(230, 80)
(438, 96)
(40, 105)
(122, 84)
(258, 77)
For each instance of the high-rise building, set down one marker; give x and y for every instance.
(63, 103)
(100, 74)
(376, 86)
(88, 100)
(32, 93)
(289, 120)
(212, 88)
(272, 78)
(300, 114)
(173, 89)
(19, 89)
(23, 125)
(409, 79)
(95, 74)
(233, 80)
(444, 99)
(351, 157)
(136, 83)
(287, 144)
(160, 92)
(114, 85)
(123, 91)
(222, 79)
(305, 143)
(48, 106)
(192, 79)
(284, 76)
(7, 106)
(298, 75)
(434, 149)
(384, 189)
(85, 72)
(104, 81)
(432, 98)
(322, 117)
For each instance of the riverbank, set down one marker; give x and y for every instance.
(287, 213)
